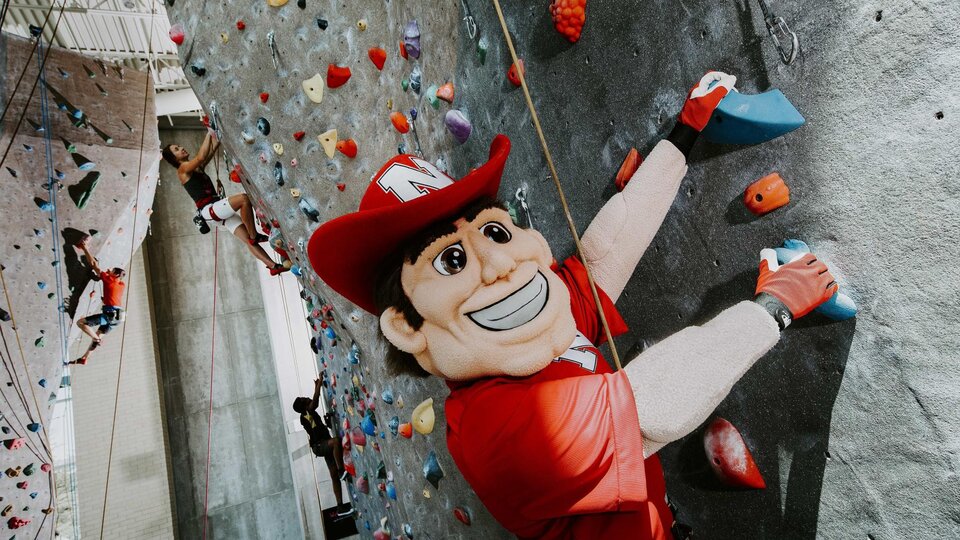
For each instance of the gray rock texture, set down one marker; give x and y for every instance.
(851, 423)
(32, 244)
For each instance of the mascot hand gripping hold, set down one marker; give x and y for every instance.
(553, 442)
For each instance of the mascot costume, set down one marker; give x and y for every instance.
(554, 443)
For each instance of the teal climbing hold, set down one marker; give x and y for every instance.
(839, 307)
(752, 119)
(33, 426)
(83, 190)
(431, 470)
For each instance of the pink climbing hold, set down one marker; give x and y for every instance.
(16, 523)
(45, 467)
(358, 437)
(13, 444)
(176, 34)
(729, 456)
(22, 485)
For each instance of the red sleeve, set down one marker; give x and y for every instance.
(546, 450)
(584, 309)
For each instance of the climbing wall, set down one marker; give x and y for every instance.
(850, 422)
(94, 113)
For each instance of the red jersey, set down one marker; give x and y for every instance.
(575, 469)
(113, 287)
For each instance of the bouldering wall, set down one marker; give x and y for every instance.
(95, 115)
(850, 423)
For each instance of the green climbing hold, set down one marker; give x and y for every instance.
(405, 84)
(482, 51)
(40, 342)
(83, 190)
(29, 470)
(432, 96)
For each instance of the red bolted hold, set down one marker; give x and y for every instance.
(347, 147)
(766, 194)
(241, 26)
(264, 97)
(298, 136)
(378, 56)
(729, 456)
(513, 75)
(630, 165)
(568, 17)
(337, 76)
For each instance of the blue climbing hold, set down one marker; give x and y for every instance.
(328, 331)
(839, 307)
(34, 495)
(387, 396)
(41, 285)
(33, 426)
(752, 119)
(295, 269)
(42, 383)
(391, 491)
(431, 470)
(394, 425)
(354, 355)
(408, 531)
(368, 425)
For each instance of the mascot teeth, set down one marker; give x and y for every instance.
(517, 309)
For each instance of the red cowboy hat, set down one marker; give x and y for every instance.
(406, 196)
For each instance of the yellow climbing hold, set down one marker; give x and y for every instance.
(328, 140)
(362, 25)
(426, 493)
(423, 417)
(224, 37)
(278, 148)
(313, 87)
(389, 104)
(295, 193)
(276, 3)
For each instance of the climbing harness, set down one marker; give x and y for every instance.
(556, 182)
(781, 34)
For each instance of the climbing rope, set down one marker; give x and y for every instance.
(296, 368)
(26, 65)
(133, 244)
(556, 182)
(213, 350)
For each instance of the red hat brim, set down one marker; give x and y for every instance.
(347, 252)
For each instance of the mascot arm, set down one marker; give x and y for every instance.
(679, 382)
(623, 229)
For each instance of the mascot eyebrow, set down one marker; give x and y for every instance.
(442, 228)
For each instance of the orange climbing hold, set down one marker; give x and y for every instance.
(445, 92)
(347, 147)
(378, 56)
(400, 121)
(568, 17)
(406, 430)
(403, 51)
(513, 75)
(766, 194)
(337, 76)
(630, 165)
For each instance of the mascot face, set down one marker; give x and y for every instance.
(490, 302)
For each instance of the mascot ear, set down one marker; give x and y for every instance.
(399, 332)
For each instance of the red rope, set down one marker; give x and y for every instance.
(213, 350)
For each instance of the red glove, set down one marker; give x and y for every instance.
(802, 284)
(704, 98)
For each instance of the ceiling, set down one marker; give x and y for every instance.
(111, 30)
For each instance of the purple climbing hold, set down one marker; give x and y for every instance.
(458, 125)
(411, 39)
(413, 114)
(431, 470)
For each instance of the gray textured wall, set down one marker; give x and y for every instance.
(851, 423)
(32, 251)
(251, 488)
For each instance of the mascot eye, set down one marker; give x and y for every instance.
(451, 260)
(496, 232)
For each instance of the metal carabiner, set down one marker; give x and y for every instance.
(781, 33)
(521, 197)
(469, 20)
(274, 52)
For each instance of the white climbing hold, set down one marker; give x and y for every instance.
(313, 87)
(328, 140)
(278, 149)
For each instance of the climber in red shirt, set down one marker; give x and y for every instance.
(553, 443)
(111, 314)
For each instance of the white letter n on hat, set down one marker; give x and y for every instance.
(408, 183)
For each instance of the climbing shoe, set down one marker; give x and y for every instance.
(259, 239)
(278, 269)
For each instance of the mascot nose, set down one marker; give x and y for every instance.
(495, 261)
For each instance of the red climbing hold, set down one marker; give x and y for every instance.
(568, 17)
(729, 456)
(347, 147)
(406, 430)
(766, 194)
(513, 75)
(445, 92)
(298, 136)
(337, 76)
(341, 186)
(378, 56)
(630, 165)
(235, 177)
(264, 97)
(176, 34)
(403, 51)
(462, 514)
(400, 121)
(241, 25)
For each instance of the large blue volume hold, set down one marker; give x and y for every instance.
(752, 119)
